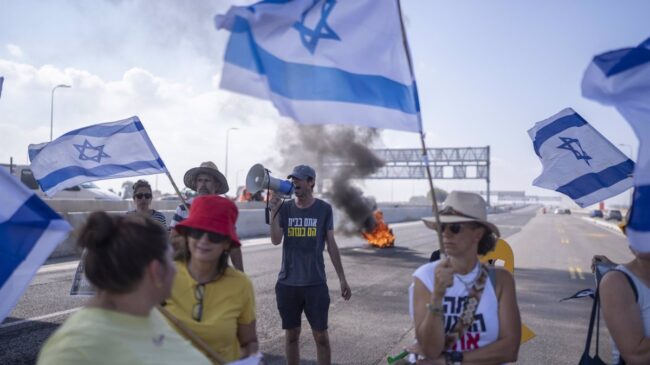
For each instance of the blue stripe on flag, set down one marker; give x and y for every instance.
(107, 130)
(306, 82)
(102, 171)
(639, 215)
(616, 62)
(566, 122)
(20, 233)
(589, 183)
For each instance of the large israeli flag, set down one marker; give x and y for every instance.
(98, 152)
(621, 78)
(578, 161)
(29, 232)
(324, 61)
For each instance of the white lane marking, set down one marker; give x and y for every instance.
(46, 316)
(58, 267)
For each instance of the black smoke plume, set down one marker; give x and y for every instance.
(339, 154)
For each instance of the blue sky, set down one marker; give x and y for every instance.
(486, 71)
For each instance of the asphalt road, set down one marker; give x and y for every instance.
(552, 256)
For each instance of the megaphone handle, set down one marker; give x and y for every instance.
(267, 211)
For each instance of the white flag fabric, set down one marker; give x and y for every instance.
(324, 61)
(98, 152)
(578, 161)
(621, 78)
(29, 231)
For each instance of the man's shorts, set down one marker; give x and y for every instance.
(314, 300)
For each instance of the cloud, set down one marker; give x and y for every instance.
(186, 125)
(15, 51)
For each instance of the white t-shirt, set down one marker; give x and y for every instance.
(485, 329)
(643, 293)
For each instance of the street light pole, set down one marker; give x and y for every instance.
(52, 108)
(227, 142)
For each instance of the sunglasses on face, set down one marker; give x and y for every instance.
(197, 309)
(142, 196)
(212, 237)
(453, 227)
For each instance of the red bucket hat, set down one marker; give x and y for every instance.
(212, 213)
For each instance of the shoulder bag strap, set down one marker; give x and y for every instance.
(594, 312)
(466, 318)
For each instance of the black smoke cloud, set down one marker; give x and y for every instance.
(349, 148)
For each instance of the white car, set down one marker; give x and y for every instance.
(84, 191)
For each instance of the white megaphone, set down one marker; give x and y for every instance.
(259, 178)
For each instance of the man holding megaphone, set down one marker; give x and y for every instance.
(307, 224)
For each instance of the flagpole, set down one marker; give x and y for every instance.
(193, 337)
(177, 191)
(425, 156)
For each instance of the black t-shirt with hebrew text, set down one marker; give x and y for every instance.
(305, 232)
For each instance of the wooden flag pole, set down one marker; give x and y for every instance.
(177, 191)
(425, 156)
(193, 337)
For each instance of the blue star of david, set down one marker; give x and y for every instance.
(568, 145)
(82, 148)
(310, 37)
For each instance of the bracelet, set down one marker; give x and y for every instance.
(436, 310)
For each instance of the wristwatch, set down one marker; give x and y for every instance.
(454, 358)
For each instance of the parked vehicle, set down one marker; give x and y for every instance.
(596, 213)
(86, 190)
(614, 215)
(562, 211)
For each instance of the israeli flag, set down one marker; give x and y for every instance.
(98, 152)
(621, 78)
(324, 61)
(578, 161)
(29, 232)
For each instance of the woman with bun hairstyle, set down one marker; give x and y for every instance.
(129, 261)
(212, 299)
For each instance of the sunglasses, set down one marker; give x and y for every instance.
(143, 196)
(212, 237)
(197, 309)
(453, 227)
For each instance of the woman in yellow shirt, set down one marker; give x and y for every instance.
(212, 299)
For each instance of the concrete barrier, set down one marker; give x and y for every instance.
(250, 223)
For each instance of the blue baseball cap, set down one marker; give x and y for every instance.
(302, 172)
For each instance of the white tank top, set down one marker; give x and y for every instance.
(485, 329)
(644, 304)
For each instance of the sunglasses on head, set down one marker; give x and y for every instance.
(212, 237)
(142, 196)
